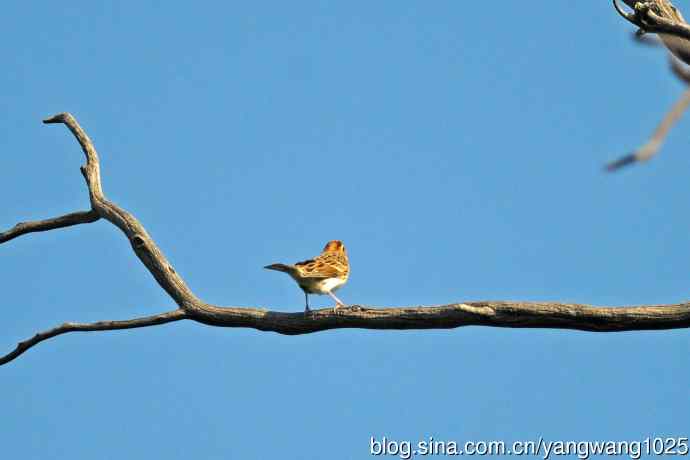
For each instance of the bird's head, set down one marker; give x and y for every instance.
(334, 246)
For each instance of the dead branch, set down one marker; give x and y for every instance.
(162, 318)
(662, 18)
(665, 20)
(76, 218)
(483, 313)
(652, 146)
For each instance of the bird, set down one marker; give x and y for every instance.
(323, 274)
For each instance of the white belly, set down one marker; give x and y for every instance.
(326, 286)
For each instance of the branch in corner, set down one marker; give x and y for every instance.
(650, 148)
(662, 18)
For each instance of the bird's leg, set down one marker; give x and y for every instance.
(306, 303)
(338, 302)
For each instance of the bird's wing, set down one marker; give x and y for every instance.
(321, 267)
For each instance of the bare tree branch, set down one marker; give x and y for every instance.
(651, 147)
(76, 218)
(482, 313)
(485, 313)
(664, 19)
(98, 326)
(144, 247)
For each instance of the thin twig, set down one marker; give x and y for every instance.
(75, 218)
(651, 147)
(154, 320)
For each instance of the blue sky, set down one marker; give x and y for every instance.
(457, 150)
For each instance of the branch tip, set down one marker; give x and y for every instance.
(58, 118)
(620, 163)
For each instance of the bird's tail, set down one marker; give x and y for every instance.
(280, 268)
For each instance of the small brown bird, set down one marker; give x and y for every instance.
(323, 274)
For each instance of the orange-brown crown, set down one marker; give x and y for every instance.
(334, 246)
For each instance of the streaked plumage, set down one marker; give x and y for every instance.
(323, 274)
